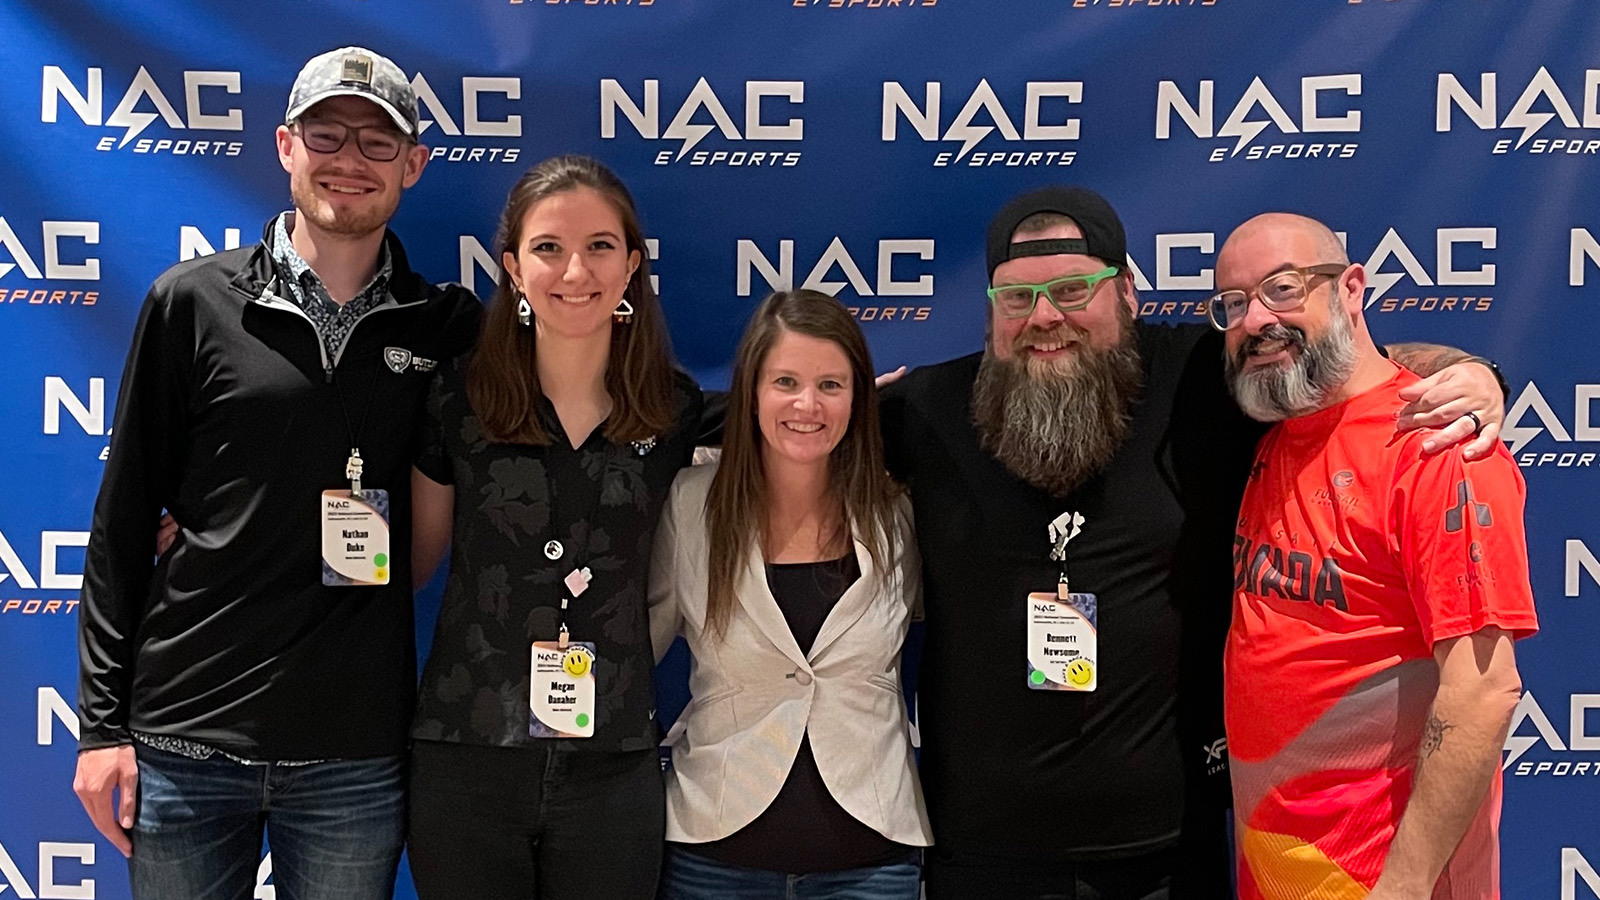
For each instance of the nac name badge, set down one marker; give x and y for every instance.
(1062, 628)
(355, 538)
(561, 690)
(1062, 640)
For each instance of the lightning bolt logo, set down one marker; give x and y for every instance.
(1518, 436)
(1531, 400)
(124, 115)
(970, 135)
(1518, 744)
(1380, 283)
(20, 257)
(680, 128)
(1246, 130)
(1522, 114)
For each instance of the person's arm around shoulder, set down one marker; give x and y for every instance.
(141, 475)
(1461, 395)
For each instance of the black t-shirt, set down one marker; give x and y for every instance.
(804, 829)
(601, 502)
(1053, 776)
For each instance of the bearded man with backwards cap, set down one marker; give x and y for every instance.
(261, 671)
(1075, 488)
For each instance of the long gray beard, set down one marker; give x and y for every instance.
(1055, 429)
(1276, 393)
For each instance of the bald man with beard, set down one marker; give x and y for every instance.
(1083, 453)
(1377, 591)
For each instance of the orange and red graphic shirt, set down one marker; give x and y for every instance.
(1354, 555)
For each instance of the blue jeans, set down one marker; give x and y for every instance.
(335, 828)
(685, 876)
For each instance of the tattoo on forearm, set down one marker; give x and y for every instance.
(1425, 359)
(1433, 734)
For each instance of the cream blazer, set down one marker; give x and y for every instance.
(755, 695)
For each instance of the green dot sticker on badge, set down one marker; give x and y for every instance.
(561, 690)
(355, 538)
(1063, 637)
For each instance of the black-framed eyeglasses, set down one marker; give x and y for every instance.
(378, 143)
(1279, 292)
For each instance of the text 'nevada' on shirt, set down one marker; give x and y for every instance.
(229, 417)
(1054, 775)
(1354, 555)
(600, 503)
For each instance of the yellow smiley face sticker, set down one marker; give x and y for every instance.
(1080, 672)
(576, 662)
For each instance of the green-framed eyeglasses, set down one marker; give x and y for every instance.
(1068, 293)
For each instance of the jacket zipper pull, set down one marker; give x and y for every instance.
(327, 375)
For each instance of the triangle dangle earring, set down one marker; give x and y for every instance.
(524, 311)
(624, 313)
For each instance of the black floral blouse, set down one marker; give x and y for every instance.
(601, 502)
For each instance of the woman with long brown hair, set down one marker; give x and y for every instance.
(791, 570)
(546, 456)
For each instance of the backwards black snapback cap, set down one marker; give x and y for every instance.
(1103, 236)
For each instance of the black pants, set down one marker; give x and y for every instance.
(975, 875)
(553, 822)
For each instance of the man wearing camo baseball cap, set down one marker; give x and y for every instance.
(355, 72)
(256, 677)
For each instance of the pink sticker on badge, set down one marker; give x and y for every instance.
(577, 581)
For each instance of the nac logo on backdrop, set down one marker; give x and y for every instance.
(61, 874)
(1539, 104)
(885, 259)
(1323, 104)
(1458, 264)
(1533, 416)
(46, 263)
(1574, 753)
(200, 129)
(17, 575)
(466, 133)
(770, 115)
(1047, 137)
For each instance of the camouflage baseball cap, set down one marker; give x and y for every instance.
(355, 72)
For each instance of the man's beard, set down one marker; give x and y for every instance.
(1054, 424)
(353, 223)
(1276, 392)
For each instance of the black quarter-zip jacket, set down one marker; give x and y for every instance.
(232, 416)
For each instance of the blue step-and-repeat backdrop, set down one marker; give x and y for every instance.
(856, 146)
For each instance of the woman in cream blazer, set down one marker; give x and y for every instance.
(757, 696)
